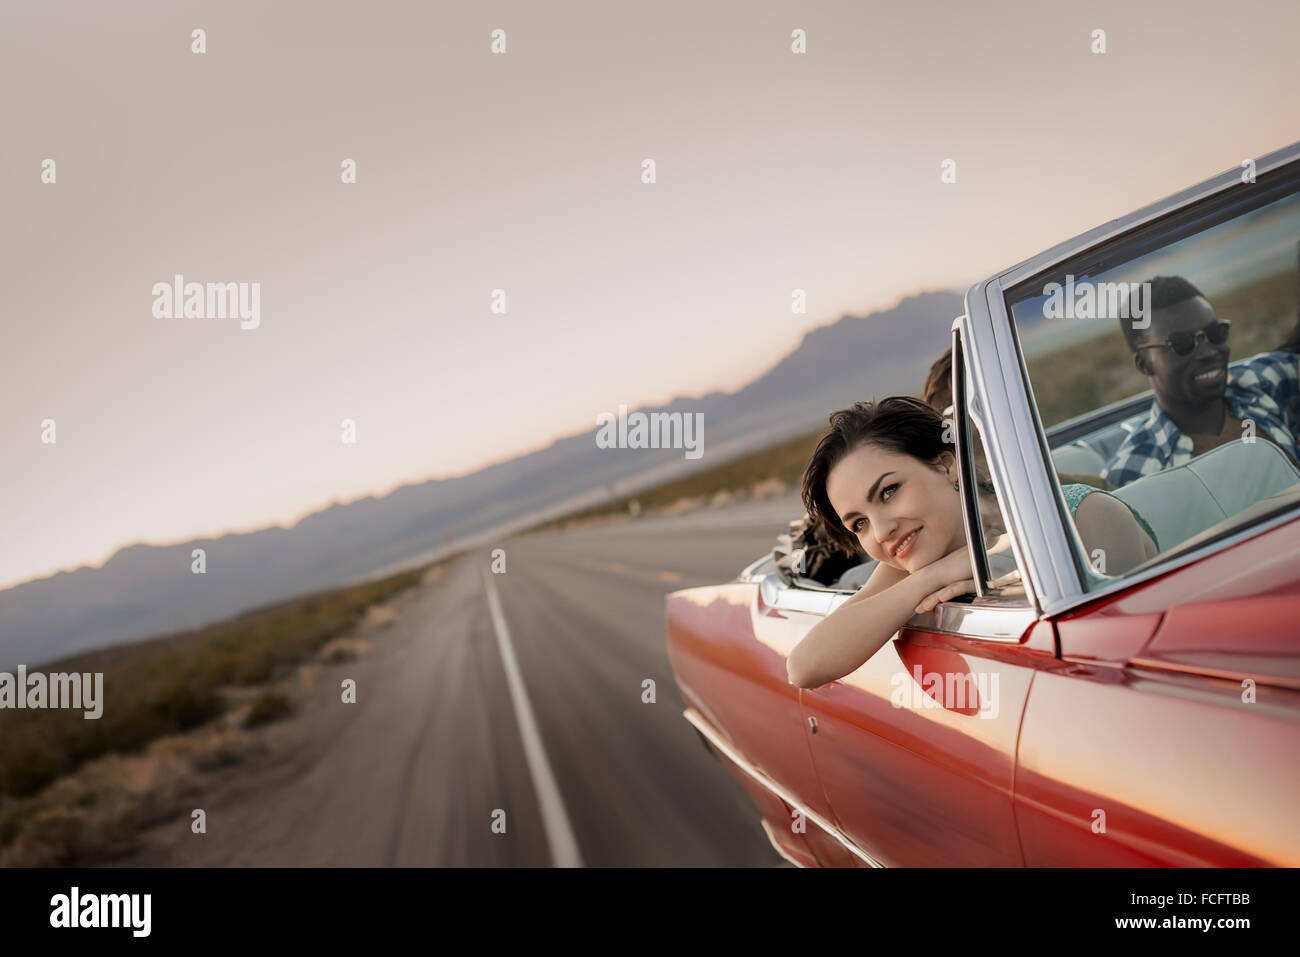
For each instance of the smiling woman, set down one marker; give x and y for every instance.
(885, 478)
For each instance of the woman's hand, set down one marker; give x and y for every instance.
(951, 577)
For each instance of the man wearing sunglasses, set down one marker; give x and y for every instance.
(1200, 402)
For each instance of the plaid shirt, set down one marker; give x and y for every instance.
(1263, 389)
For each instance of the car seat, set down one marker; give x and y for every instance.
(1183, 501)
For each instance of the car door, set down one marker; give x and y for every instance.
(916, 749)
(1171, 731)
(728, 645)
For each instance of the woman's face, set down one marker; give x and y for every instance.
(902, 510)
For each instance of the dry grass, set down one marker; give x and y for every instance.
(270, 705)
(95, 814)
(73, 789)
(341, 650)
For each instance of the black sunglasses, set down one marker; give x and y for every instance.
(1185, 343)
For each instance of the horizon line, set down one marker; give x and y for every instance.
(404, 483)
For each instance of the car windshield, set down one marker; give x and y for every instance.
(1166, 372)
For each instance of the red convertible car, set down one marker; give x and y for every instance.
(1063, 716)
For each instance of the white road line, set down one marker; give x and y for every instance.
(559, 835)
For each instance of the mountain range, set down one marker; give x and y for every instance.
(147, 590)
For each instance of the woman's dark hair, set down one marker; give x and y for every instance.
(897, 423)
(937, 391)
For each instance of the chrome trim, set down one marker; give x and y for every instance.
(696, 719)
(773, 592)
(776, 845)
(750, 573)
(988, 619)
(972, 522)
(989, 622)
(990, 397)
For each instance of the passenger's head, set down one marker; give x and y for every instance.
(1177, 312)
(882, 472)
(937, 392)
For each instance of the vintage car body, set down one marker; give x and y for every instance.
(1152, 722)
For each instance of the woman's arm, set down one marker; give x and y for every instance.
(1106, 524)
(844, 639)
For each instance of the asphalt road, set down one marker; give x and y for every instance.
(439, 744)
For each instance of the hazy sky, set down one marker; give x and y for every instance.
(522, 172)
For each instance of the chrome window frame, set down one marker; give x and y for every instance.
(969, 484)
(999, 398)
(996, 399)
(976, 367)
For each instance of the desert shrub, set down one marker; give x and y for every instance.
(270, 705)
(167, 685)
